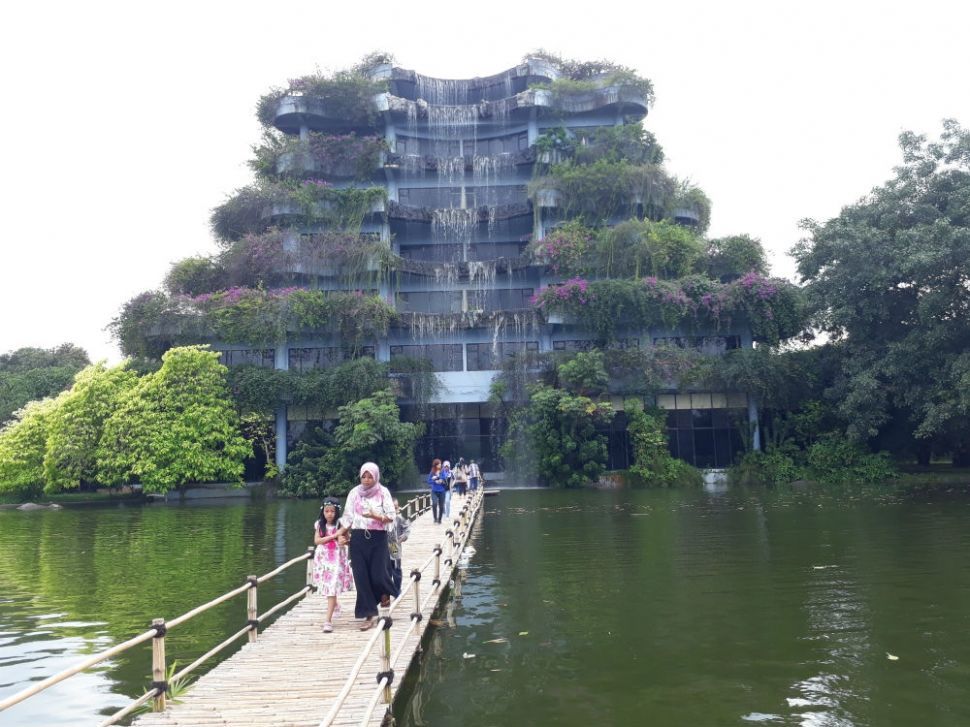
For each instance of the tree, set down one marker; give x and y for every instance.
(889, 278)
(22, 443)
(35, 373)
(76, 425)
(731, 257)
(652, 461)
(560, 429)
(175, 426)
(367, 430)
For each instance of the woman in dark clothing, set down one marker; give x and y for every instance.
(369, 509)
(438, 489)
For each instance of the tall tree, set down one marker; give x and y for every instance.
(889, 278)
(35, 373)
(76, 425)
(175, 426)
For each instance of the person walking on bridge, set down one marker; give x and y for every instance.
(474, 476)
(438, 488)
(369, 509)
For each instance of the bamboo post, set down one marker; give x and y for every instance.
(416, 577)
(437, 567)
(386, 660)
(252, 609)
(159, 672)
(309, 567)
(450, 534)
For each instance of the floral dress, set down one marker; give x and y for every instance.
(331, 566)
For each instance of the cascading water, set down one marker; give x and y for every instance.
(452, 126)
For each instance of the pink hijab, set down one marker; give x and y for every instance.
(374, 471)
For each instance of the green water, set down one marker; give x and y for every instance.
(657, 607)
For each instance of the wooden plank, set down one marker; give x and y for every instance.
(293, 672)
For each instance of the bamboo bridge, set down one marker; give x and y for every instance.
(292, 674)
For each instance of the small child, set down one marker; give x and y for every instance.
(397, 533)
(331, 564)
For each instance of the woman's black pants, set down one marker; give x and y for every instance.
(370, 562)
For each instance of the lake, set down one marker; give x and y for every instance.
(668, 607)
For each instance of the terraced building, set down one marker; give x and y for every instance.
(427, 216)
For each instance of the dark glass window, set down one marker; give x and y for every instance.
(488, 356)
(305, 359)
(264, 357)
(704, 448)
(443, 356)
(433, 302)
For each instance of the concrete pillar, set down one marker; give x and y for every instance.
(281, 363)
(753, 422)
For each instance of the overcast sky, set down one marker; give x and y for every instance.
(124, 123)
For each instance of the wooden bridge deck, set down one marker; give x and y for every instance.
(292, 674)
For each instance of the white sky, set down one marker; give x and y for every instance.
(124, 123)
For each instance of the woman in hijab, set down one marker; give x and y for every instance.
(369, 509)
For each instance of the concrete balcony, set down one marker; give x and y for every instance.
(284, 210)
(304, 163)
(295, 112)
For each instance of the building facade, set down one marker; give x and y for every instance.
(459, 209)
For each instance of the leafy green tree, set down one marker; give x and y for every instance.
(22, 443)
(889, 278)
(584, 374)
(643, 247)
(175, 426)
(728, 258)
(35, 373)
(195, 275)
(260, 431)
(652, 461)
(367, 430)
(561, 430)
(76, 425)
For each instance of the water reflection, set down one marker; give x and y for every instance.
(78, 580)
(660, 607)
(705, 608)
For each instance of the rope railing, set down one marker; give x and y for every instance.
(161, 684)
(457, 538)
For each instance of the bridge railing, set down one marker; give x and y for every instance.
(457, 537)
(160, 628)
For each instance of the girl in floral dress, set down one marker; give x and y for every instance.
(331, 565)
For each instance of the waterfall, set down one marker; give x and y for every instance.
(453, 224)
(443, 91)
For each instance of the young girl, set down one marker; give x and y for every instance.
(331, 566)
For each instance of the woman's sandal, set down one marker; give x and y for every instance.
(368, 624)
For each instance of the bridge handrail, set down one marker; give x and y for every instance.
(466, 519)
(160, 627)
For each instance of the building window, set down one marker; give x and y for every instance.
(575, 345)
(443, 356)
(306, 359)
(493, 300)
(704, 428)
(433, 302)
(264, 357)
(704, 344)
(489, 356)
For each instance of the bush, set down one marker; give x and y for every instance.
(367, 430)
(773, 467)
(835, 459)
(652, 461)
